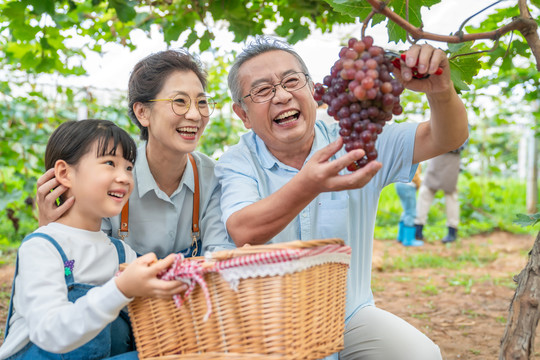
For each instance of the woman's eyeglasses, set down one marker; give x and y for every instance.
(180, 104)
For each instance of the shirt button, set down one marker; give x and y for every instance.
(304, 215)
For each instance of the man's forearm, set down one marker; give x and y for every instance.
(259, 222)
(447, 129)
(449, 124)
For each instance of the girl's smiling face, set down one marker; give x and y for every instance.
(101, 186)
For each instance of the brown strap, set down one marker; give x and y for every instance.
(124, 218)
(195, 219)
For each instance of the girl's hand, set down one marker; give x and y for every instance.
(46, 200)
(140, 278)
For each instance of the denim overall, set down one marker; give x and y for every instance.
(103, 346)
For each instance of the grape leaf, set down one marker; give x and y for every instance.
(41, 6)
(192, 37)
(124, 9)
(173, 30)
(362, 9)
(24, 31)
(14, 10)
(359, 9)
(397, 33)
(205, 40)
(526, 220)
(463, 67)
(299, 33)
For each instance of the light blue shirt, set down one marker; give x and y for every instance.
(162, 224)
(248, 172)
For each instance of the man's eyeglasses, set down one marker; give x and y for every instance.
(180, 104)
(266, 92)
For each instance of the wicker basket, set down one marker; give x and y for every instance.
(298, 315)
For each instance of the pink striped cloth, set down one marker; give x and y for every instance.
(192, 272)
(278, 256)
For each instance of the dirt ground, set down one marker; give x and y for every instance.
(463, 310)
(461, 301)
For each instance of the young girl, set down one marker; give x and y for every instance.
(175, 204)
(66, 299)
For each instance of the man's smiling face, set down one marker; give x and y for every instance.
(286, 121)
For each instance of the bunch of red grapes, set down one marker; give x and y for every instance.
(362, 95)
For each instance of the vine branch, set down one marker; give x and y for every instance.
(524, 23)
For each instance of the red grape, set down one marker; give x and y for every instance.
(362, 95)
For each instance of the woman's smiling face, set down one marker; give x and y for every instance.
(177, 133)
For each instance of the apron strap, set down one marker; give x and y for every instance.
(196, 195)
(123, 232)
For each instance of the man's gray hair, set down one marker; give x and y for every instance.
(259, 46)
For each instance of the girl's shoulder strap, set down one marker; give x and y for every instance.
(50, 239)
(119, 249)
(68, 277)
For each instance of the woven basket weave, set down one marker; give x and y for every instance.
(293, 316)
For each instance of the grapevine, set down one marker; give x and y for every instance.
(362, 95)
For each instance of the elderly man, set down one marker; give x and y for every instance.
(287, 179)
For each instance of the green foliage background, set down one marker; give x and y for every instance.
(35, 39)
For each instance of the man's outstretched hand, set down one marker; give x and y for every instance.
(321, 175)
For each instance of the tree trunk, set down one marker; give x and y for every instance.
(518, 339)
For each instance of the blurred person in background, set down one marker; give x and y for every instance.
(441, 174)
(407, 196)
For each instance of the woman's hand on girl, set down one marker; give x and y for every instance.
(46, 199)
(140, 278)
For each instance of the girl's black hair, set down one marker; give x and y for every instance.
(73, 139)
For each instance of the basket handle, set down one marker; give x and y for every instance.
(255, 249)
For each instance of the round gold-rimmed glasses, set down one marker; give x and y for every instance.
(180, 104)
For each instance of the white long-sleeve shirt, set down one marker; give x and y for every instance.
(42, 312)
